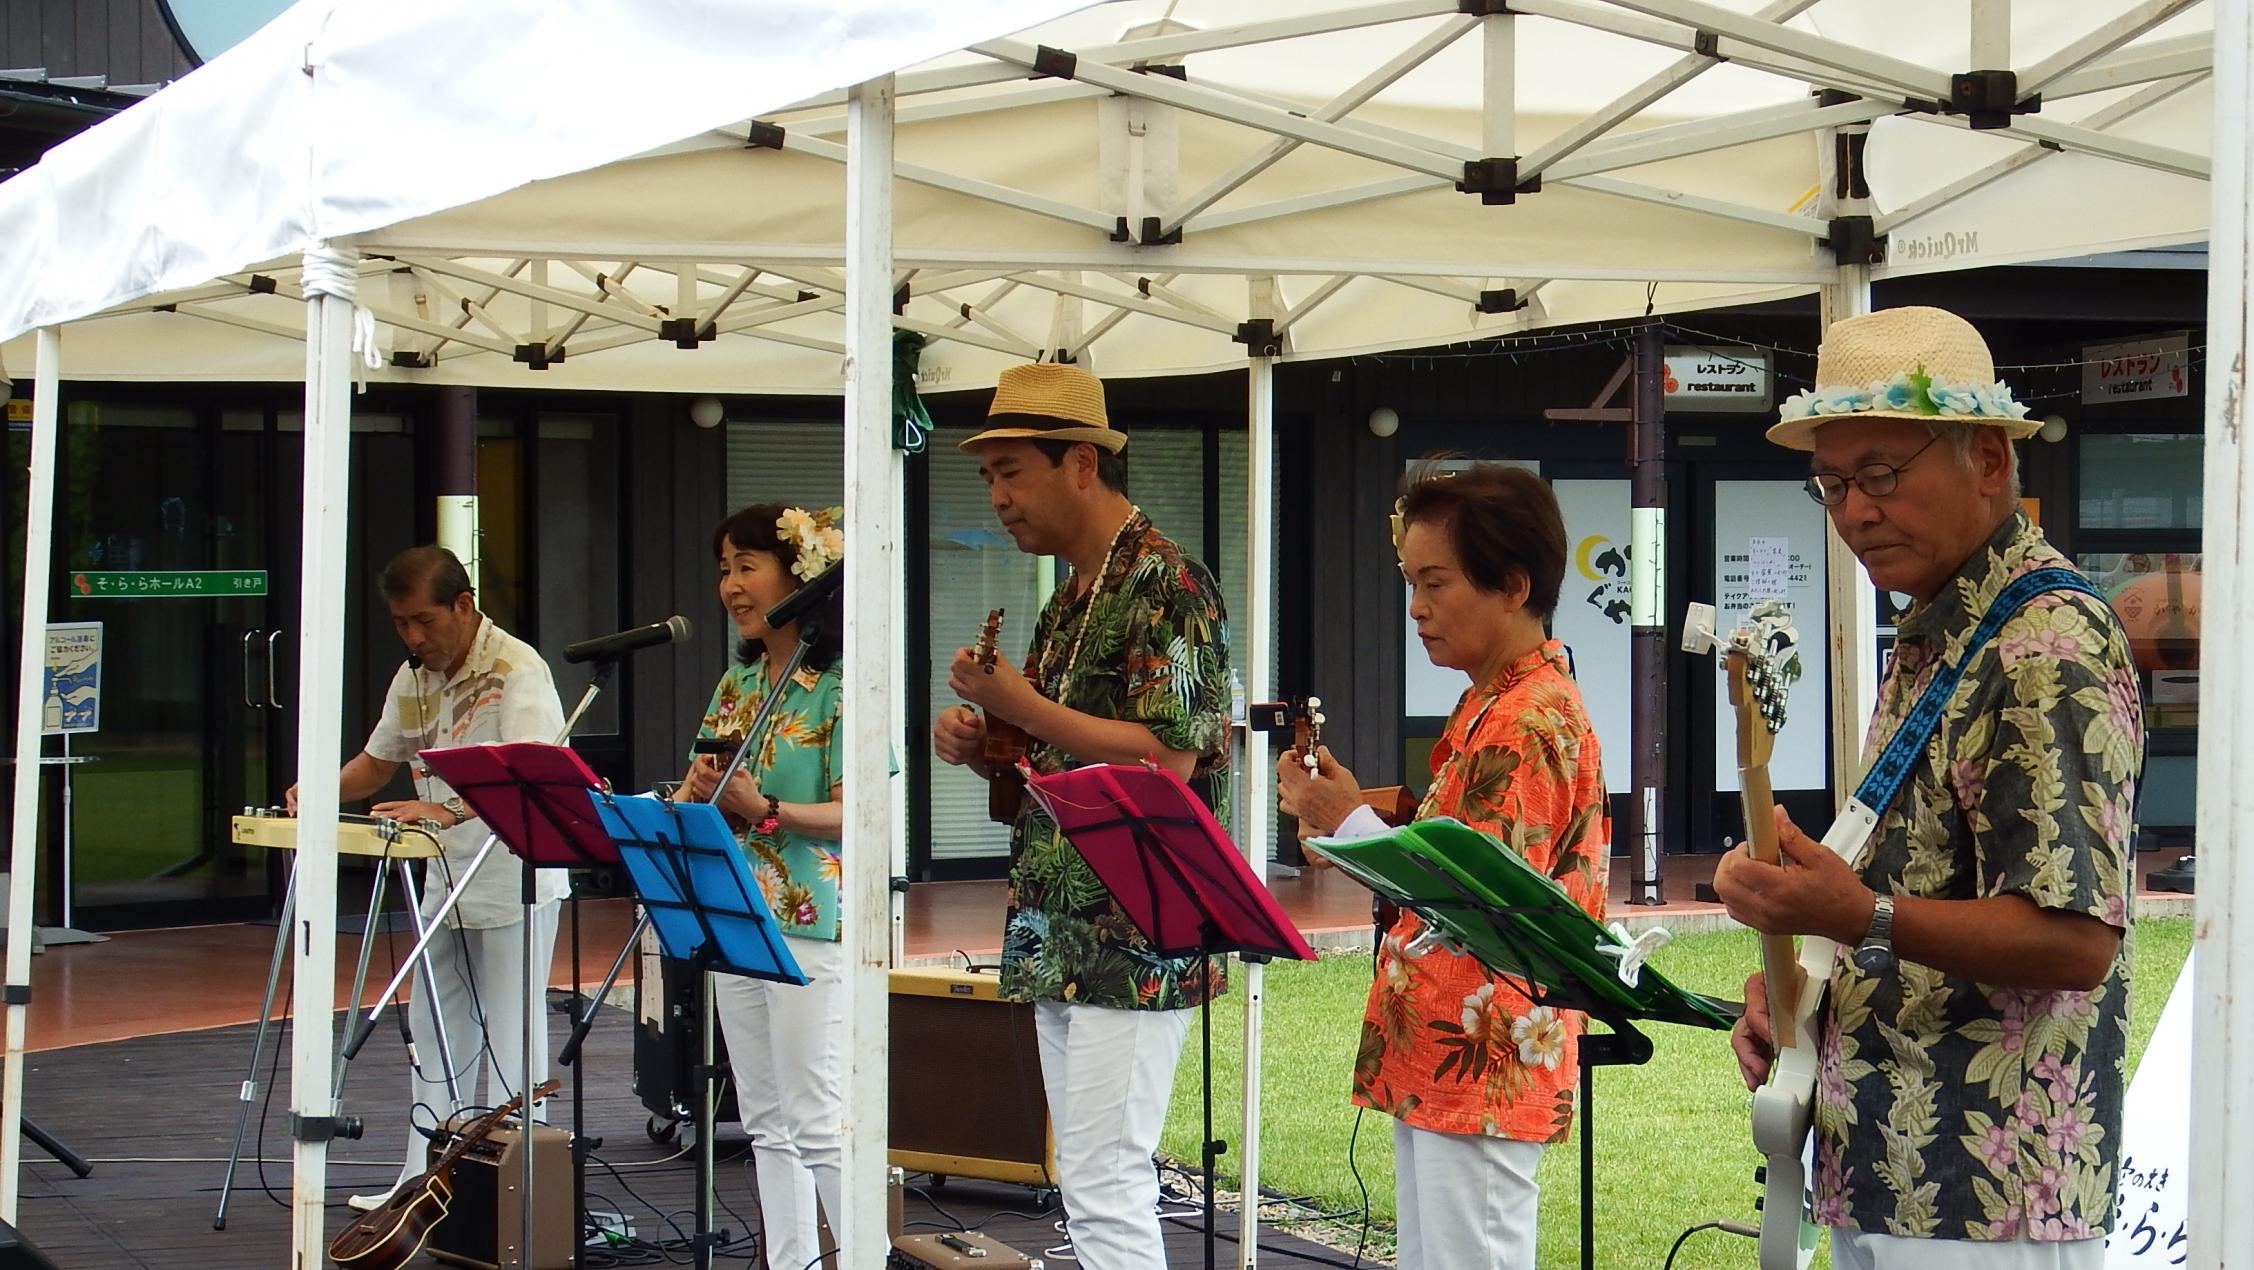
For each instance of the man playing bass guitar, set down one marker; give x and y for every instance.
(1970, 1045)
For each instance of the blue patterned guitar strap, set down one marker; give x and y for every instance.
(1851, 832)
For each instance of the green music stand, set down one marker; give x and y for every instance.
(1481, 898)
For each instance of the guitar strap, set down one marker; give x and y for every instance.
(1891, 769)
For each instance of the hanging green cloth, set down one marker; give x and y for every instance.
(911, 422)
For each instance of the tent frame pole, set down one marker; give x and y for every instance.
(328, 471)
(23, 868)
(2222, 1078)
(873, 483)
(1258, 816)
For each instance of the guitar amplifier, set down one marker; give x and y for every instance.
(484, 1224)
(967, 1099)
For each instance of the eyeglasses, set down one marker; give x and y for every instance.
(1876, 480)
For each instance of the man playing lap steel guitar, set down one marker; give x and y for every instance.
(1129, 663)
(1970, 1047)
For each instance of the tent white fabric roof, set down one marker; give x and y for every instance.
(1316, 144)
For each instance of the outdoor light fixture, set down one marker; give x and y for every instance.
(707, 412)
(2053, 429)
(1384, 421)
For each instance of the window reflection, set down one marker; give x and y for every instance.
(2156, 596)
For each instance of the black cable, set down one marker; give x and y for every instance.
(1352, 1139)
(273, 1076)
(1732, 1227)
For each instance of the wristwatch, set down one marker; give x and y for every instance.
(1878, 940)
(458, 809)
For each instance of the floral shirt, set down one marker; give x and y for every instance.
(501, 693)
(1948, 1108)
(1154, 651)
(1447, 1046)
(802, 759)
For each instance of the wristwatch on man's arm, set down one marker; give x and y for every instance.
(1877, 946)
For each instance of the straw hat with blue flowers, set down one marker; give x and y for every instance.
(1917, 363)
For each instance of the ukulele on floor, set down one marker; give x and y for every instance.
(1005, 741)
(393, 1235)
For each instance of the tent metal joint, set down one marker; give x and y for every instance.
(684, 332)
(412, 359)
(315, 1129)
(1990, 98)
(260, 284)
(1485, 8)
(1155, 234)
(1055, 63)
(1709, 44)
(763, 136)
(1855, 240)
(1260, 338)
(16, 994)
(538, 356)
(1495, 180)
(1502, 300)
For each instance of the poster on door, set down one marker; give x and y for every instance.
(1769, 544)
(2150, 1222)
(1592, 612)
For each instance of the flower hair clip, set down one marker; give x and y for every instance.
(816, 537)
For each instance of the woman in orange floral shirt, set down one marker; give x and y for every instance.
(1477, 1078)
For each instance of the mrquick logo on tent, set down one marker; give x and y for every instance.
(1933, 247)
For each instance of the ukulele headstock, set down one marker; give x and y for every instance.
(1307, 729)
(989, 640)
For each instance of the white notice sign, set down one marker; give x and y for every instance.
(72, 700)
(1754, 561)
(2136, 370)
(1768, 566)
(2148, 1230)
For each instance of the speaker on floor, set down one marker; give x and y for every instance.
(967, 1099)
(19, 1253)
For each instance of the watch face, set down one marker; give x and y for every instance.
(1874, 958)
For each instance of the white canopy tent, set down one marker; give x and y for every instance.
(1151, 187)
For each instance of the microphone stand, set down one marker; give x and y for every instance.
(707, 1103)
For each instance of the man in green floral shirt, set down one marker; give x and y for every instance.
(1129, 663)
(1971, 1046)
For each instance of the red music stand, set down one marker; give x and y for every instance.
(1173, 871)
(537, 799)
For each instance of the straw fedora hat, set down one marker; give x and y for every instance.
(1916, 363)
(1052, 401)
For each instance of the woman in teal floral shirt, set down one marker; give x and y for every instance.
(786, 1045)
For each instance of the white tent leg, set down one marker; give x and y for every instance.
(2222, 1077)
(1848, 596)
(328, 460)
(23, 866)
(1258, 816)
(872, 518)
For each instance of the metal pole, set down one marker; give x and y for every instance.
(1258, 815)
(1850, 601)
(23, 867)
(873, 483)
(454, 474)
(2222, 1037)
(329, 286)
(1647, 617)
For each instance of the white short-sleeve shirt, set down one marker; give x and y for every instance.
(503, 692)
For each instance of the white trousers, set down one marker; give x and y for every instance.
(786, 1050)
(1108, 1074)
(1465, 1202)
(1858, 1250)
(480, 975)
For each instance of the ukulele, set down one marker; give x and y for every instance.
(1762, 662)
(393, 1235)
(1005, 741)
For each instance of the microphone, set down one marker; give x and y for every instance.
(612, 647)
(803, 602)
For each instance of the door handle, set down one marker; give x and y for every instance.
(248, 636)
(273, 697)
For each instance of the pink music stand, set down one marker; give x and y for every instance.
(1167, 862)
(537, 799)
(1173, 871)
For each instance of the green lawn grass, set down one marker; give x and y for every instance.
(1671, 1139)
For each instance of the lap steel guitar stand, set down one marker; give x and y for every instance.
(394, 845)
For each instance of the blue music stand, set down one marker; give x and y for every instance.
(692, 879)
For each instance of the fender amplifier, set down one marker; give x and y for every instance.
(967, 1099)
(484, 1224)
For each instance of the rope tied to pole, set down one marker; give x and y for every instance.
(334, 272)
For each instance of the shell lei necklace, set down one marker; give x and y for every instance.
(1063, 674)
